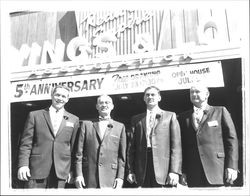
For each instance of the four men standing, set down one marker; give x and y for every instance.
(204, 146)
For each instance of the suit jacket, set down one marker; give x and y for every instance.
(214, 144)
(166, 147)
(100, 162)
(40, 148)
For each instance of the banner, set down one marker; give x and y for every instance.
(122, 82)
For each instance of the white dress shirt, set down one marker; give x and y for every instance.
(151, 114)
(56, 118)
(102, 127)
(198, 112)
(103, 124)
(197, 115)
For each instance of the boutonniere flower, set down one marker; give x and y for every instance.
(110, 126)
(158, 116)
(65, 117)
(205, 111)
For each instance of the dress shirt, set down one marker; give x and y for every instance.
(198, 114)
(103, 124)
(150, 122)
(56, 118)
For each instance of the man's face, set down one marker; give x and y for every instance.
(104, 105)
(59, 98)
(198, 95)
(152, 97)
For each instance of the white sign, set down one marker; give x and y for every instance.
(132, 81)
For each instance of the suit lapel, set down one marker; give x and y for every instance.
(108, 129)
(207, 111)
(96, 127)
(158, 118)
(63, 122)
(143, 121)
(190, 120)
(48, 120)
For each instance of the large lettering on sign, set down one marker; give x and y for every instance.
(53, 54)
(132, 81)
(40, 88)
(98, 42)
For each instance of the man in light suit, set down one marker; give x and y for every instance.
(154, 150)
(209, 140)
(101, 150)
(47, 143)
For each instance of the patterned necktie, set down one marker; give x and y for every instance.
(149, 129)
(198, 113)
(151, 120)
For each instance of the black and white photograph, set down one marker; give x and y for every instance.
(125, 97)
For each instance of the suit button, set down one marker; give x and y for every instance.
(100, 164)
(100, 153)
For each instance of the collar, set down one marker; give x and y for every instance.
(204, 108)
(106, 118)
(155, 110)
(52, 109)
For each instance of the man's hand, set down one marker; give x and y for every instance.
(183, 179)
(23, 173)
(131, 178)
(118, 183)
(79, 182)
(230, 175)
(70, 178)
(172, 179)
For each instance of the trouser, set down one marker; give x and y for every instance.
(196, 176)
(50, 182)
(150, 180)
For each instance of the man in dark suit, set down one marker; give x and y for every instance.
(101, 150)
(46, 144)
(209, 141)
(154, 150)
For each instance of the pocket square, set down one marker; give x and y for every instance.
(69, 124)
(213, 123)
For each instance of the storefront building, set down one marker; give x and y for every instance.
(120, 53)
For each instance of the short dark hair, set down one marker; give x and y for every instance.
(59, 86)
(103, 95)
(154, 87)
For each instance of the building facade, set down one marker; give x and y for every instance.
(121, 53)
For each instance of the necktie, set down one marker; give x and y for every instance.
(198, 113)
(151, 120)
(149, 129)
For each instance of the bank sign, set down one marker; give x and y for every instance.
(122, 82)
